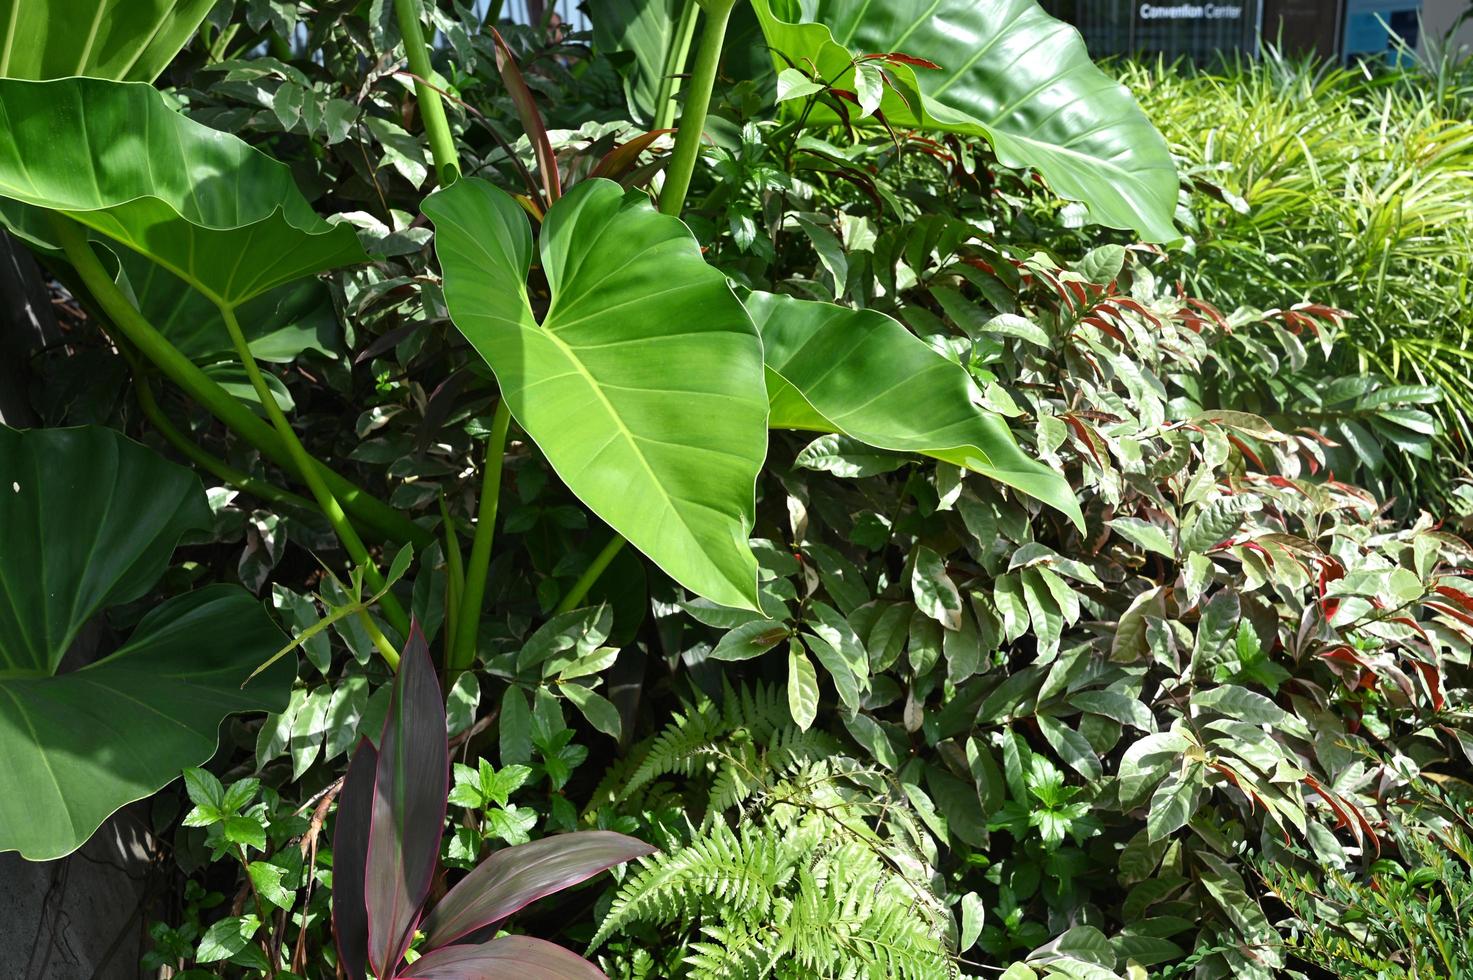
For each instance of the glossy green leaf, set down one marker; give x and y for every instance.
(862, 374)
(1007, 72)
(90, 521)
(642, 383)
(126, 40)
(214, 211)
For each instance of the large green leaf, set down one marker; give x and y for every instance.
(126, 40)
(643, 381)
(637, 36)
(860, 373)
(278, 325)
(211, 209)
(1009, 73)
(90, 520)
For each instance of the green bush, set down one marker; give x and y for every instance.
(1312, 183)
(1042, 639)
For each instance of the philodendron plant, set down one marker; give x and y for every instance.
(90, 520)
(646, 380)
(386, 852)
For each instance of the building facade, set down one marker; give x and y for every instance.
(1201, 30)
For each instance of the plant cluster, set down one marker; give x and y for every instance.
(743, 464)
(1349, 188)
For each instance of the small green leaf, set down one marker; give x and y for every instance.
(974, 914)
(749, 640)
(935, 593)
(1144, 534)
(793, 84)
(802, 687)
(226, 938)
(599, 711)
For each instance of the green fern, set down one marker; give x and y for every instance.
(807, 862)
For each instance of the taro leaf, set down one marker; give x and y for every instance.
(90, 520)
(211, 209)
(515, 877)
(126, 40)
(410, 787)
(508, 956)
(350, 859)
(636, 35)
(860, 373)
(643, 382)
(1007, 72)
(279, 325)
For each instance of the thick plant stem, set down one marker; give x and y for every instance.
(675, 58)
(208, 462)
(431, 107)
(697, 105)
(590, 575)
(468, 617)
(326, 502)
(373, 513)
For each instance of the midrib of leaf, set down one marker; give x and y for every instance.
(10, 38)
(618, 420)
(91, 37)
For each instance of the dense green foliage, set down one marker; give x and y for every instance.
(1350, 189)
(996, 597)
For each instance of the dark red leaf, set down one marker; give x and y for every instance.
(515, 877)
(510, 956)
(536, 129)
(621, 159)
(412, 782)
(897, 58)
(350, 858)
(1433, 679)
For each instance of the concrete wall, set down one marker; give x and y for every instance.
(1438, 15)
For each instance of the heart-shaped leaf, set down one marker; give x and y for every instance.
(643, 381)
(515, 877)
(90, 520)
(279, 325)
(214, 211)
(126, 40)
(410, 788)
(1003, 70)
(860, 373)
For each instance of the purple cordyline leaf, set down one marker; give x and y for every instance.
(515, 877)
(350, 858)
(526, 104)
(408, 807)
(520, 957)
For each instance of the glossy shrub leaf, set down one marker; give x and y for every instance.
(515, 877)
(125, 40)
(350, 860)
(411, 783)
(1007, 72)
(860, 373)
(214, 211)
(90, 520)
(643, 382)
(509, 956)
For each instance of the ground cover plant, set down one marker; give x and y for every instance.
(706, 449)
